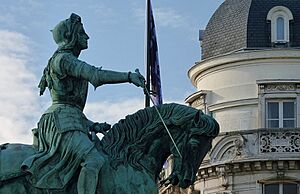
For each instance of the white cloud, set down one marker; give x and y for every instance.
(165, 17)
(112, 112)
(104, 12)
(14, 43)
(19, 106)
(169, 17)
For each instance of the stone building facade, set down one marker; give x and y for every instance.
(249, 80)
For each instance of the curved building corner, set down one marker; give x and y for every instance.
(249, 80)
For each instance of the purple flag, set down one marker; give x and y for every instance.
(153, 73)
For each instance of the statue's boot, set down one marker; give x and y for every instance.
(88, 177)
(88, 180)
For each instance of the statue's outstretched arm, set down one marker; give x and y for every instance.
(97, 76)
(112, 77)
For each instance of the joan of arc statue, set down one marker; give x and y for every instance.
(63, 130)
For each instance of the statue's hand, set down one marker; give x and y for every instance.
(137, 79)
(100, 128)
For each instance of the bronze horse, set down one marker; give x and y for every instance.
(135, 150)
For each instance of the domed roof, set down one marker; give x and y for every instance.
(242, 24)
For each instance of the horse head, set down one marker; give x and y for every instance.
(193, 143)
(142, 142)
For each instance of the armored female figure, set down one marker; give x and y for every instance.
(63, 131)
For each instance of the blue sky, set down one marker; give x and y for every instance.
(116, 30)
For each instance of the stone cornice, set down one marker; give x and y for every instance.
(278, 81)
(235, 103)
(191, 98)
(251, 131)
(224, 169)
(243, 58)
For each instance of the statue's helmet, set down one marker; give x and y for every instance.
(65, 32)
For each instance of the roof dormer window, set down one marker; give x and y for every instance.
(280, 17)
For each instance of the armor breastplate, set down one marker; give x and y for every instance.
(67, 89)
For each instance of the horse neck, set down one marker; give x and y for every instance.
(156, 155)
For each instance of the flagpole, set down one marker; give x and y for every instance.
(147, 57)
(162, 120)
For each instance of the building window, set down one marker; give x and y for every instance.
(280, 28)
(280, 17)
(281, 113)
(278, 103)
(281, 188)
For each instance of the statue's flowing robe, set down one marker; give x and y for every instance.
(63, 129)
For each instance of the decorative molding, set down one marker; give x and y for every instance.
(276, 86)
(280, 9)
(228, 148)
(253, 57)
(258, 144)
(281, 87)
(278, 81)
(279, 142)
(223, 171)
(198, 99)
(235, 103)
(197, 103)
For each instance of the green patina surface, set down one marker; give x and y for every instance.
(67, 156)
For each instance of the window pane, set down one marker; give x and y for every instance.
(288, 110)
(280, 28)
(273, 110)
(290, 188)
(272, 189)
(288, 123)
(273, 124)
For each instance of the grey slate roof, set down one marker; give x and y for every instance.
(242, 24)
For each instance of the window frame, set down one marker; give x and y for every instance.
(273, 15)
(280, 184)
(281, 118)
(269, 89)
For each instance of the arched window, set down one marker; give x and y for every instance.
(280, 17)
(280, 28)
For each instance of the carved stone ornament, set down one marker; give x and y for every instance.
(229, 148)
(239, 144)
(197, 103)
(281, 87)
(280, 142)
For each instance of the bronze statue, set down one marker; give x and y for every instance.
(63, 134)
(67, 156)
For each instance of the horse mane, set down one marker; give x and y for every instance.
(127, 140)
